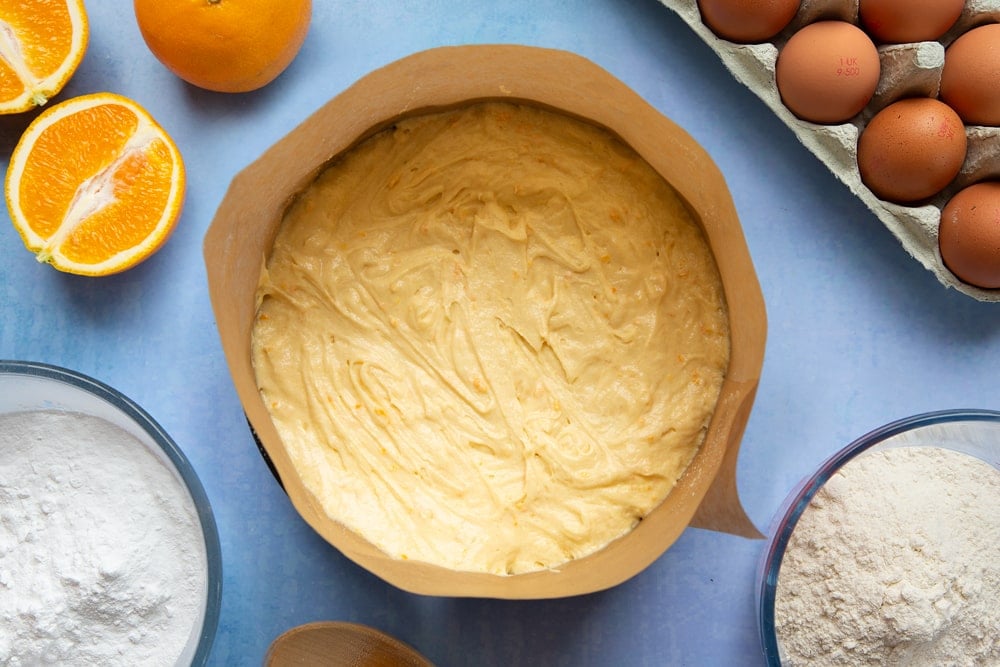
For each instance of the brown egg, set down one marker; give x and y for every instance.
(969, 236)
(970, 80)
(900, 21)
(911, 150)
(747, 21)
(827, 72)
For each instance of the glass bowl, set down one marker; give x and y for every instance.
(973, 432)
(32, 386)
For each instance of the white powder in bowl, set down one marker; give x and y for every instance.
(896, 561)
(102, 558)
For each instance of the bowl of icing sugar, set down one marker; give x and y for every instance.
(109, 552)
(888, 553)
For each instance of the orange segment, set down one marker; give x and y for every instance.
(41, 44)
(95, 185)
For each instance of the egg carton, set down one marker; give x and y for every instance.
(907, 70)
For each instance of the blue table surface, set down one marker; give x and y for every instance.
(859, 333)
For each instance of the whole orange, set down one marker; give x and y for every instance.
(230, 46)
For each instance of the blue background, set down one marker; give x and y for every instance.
(859, 333)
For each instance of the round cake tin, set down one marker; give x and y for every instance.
(449, 78)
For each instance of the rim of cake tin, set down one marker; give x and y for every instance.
(203, 506)
(798, 500)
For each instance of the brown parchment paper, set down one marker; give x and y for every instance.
(244, 226)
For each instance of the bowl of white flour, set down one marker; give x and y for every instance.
(888, 554)
(109, 552)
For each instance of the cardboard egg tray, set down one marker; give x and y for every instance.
(908, 70)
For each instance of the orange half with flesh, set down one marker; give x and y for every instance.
(41, 44)
(95, 185)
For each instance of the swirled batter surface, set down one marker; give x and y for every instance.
(490, 338)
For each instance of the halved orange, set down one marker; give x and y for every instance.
(95, 185)
(41, 44)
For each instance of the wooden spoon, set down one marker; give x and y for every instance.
(339, 644)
